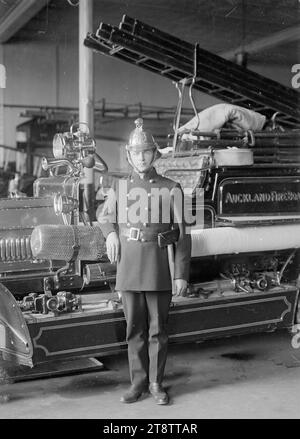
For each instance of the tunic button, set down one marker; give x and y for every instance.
(128, 224)
(127, 208)
(146, 208)
(151, 180)
(149, 194)
(145, 224)
(143, 240)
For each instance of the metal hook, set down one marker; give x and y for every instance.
(250, 138)
(180, 85)
(274, 122)
(73, 4)
(180, 88)
(193, 82)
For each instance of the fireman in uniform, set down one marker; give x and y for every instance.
(140, 243)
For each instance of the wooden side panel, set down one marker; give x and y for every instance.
(103, 332)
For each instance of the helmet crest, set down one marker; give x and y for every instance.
(140, 140)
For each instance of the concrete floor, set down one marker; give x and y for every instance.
(252, 376)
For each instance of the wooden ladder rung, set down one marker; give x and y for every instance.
(116, 49)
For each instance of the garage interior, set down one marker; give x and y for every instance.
(45, 87)
(42, 37)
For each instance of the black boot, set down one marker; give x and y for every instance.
(132, 394)
(160, 395)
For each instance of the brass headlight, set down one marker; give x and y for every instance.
(64, 204)
(59, 144)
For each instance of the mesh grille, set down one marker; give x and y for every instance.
(58, 241)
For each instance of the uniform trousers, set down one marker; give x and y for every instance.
(146, 314)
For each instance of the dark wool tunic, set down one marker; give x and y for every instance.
(144, 266)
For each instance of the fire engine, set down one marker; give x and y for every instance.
(57, 296)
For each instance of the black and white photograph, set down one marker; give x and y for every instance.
(149, 213)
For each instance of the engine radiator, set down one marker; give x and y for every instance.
(15, 249)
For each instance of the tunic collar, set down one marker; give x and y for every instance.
(151, 174)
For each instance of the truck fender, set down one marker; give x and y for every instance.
(15, 341)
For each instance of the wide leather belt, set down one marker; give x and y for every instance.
(162, 238)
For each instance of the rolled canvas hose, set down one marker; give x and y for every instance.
(230, 240)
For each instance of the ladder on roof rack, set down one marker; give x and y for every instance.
(159, 52)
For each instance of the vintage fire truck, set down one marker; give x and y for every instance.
(57, 296)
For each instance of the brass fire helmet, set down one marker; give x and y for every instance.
(140, 140)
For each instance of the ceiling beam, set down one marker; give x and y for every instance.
(19, 15)
(284, 36)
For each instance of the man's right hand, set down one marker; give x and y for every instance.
(113, 247)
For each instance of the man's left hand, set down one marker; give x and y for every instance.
(180, 286)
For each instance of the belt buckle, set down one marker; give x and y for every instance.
(133, 230)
